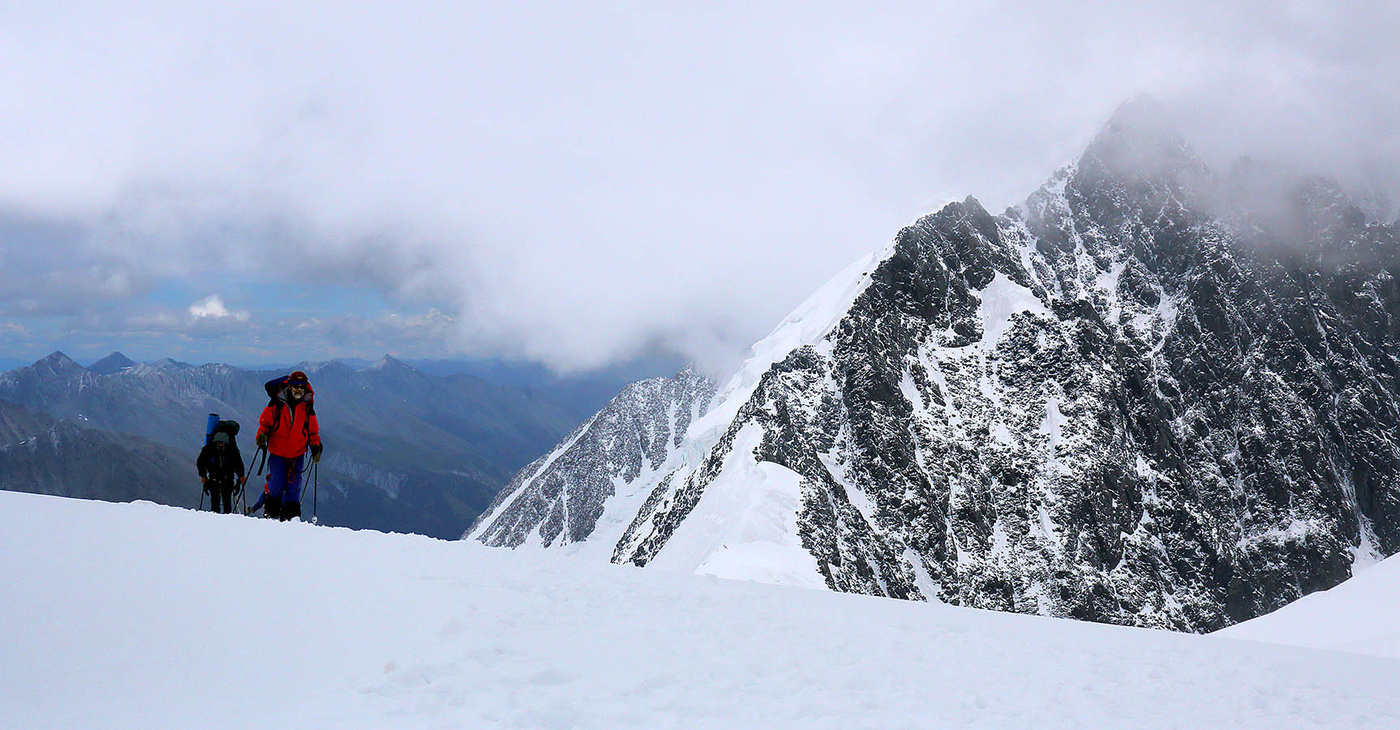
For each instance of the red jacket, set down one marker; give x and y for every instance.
(290, 427)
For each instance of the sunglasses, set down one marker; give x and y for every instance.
(296, 387)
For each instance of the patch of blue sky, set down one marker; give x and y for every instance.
(158, 323)
(272, 299)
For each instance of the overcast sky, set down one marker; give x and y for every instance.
(583, 183)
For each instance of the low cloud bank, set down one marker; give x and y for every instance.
(584, 185)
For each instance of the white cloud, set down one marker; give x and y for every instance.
(580, 182)
(397, 331)
(206, 320)
(212, 307)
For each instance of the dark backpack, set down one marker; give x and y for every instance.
(274, 389)
(222, 464)
(228, 427)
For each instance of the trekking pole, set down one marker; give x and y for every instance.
(242, 495)
(263, 451)
(315, 469)
(201, 499)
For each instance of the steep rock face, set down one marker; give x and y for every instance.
(561, 497)
(1149, 397)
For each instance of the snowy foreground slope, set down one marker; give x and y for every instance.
(141, 616)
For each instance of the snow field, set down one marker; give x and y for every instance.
(745, 526)
(1361, 615)
(141, 616)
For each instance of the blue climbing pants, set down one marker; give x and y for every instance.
(285, 484)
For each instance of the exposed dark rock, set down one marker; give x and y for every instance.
(1149, 397)
(112, 364)
(560, 497)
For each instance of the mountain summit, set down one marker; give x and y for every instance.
(1116, 403)
(113, 363)
(1141, 142)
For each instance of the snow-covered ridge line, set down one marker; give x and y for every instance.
(587, 486)
(809, 324)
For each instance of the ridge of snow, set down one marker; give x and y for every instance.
(745, 527)
(627, 500)
(535, 469)
(810, 323)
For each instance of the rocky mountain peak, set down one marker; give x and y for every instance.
(563, 498)
(113, 363)
(1142, 145)
(334, 368)
(57, 364)
(1109, 408)
(389, 363)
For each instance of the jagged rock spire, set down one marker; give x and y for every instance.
(1141, 153)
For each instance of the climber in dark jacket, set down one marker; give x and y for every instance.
(220, 471)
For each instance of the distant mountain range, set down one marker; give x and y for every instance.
(406, 450)
(44, 455)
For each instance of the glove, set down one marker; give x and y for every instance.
(204, 484)
(261, 439)
(315, 453)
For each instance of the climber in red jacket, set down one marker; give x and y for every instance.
(287, 429)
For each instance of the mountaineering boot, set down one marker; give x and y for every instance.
(291, 511)
(272, 507)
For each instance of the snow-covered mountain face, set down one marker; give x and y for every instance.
(591, 484)
(1150, 396)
